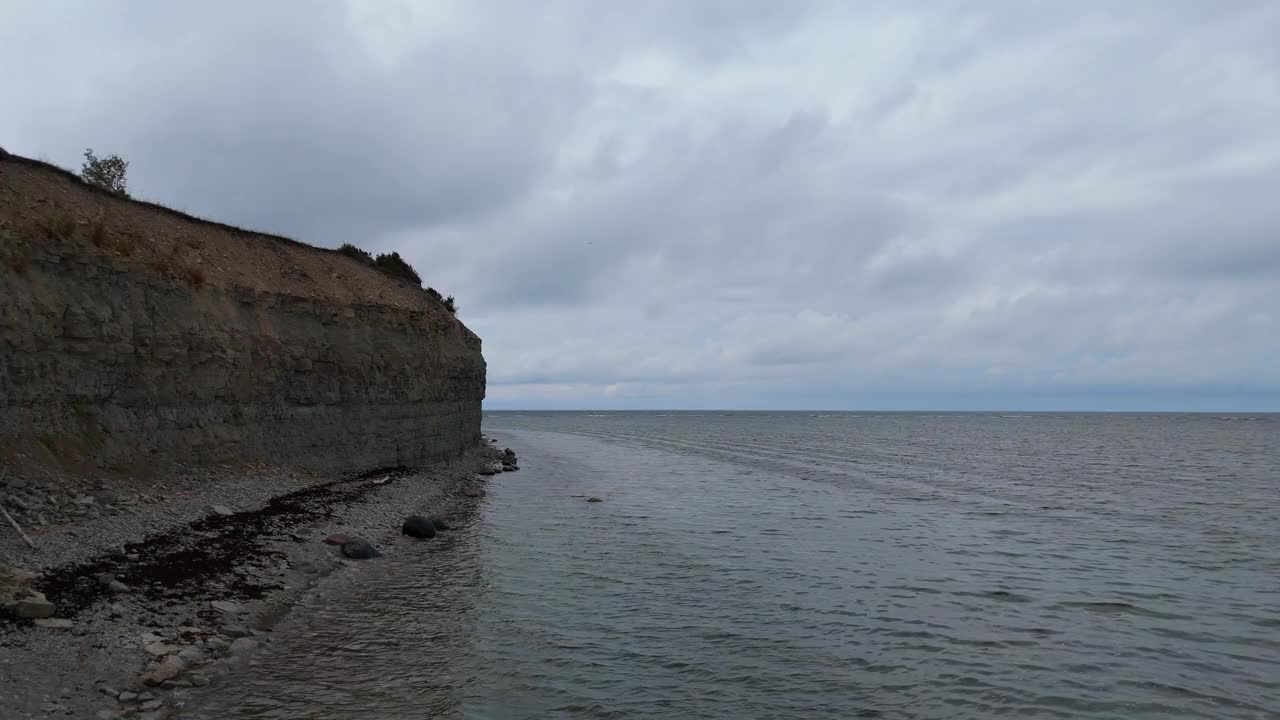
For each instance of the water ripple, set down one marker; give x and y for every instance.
(833, 566)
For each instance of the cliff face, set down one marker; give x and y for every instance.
(134, 335)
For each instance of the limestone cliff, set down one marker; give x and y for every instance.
(131, 335)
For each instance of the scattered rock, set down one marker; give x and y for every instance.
(85, 500)
(337, 539)
(190, 654)
(198, 680)
(55, 623)
(299, 537)
(33, 608)
(160, 649)
(234, 631)
(227, 606)
(306, 567)
(168, 668)
(510, 468)
(487, 470)
(217, 644)
(473, 492)
(106, 715)
(106, 497)
(243, 645)
(594, 499)
(439, 522)
(150, 637)
(222, 510)
(126, 696)
(110, 692)
(509, 452)
(116, 609)
(151, 705)
(358, 549)
(117, 586)
(419, 527)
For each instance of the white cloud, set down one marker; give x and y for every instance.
(730, 203)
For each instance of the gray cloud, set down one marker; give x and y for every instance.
(727, 204)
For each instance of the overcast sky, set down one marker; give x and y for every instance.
(732, 204)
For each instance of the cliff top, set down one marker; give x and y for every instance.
(42, 204)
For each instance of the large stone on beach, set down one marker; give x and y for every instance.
(419, 527)
(15, 580)
(168, 669)
(160, 649)
(359, 549)
(34, 608)
(227, 606)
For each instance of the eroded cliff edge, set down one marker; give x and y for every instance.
(133, 335)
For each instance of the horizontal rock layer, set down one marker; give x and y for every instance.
(108, 356)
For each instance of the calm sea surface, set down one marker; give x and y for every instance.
(796, 565)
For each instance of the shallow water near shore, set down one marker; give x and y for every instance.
(785, 565)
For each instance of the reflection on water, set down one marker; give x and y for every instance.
(834, 566)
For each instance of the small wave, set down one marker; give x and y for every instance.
(1001, 595)
(1118, 608)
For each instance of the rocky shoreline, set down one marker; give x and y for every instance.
(138, 599)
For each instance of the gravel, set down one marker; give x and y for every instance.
(263, 571)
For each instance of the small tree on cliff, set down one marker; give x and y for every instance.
(106, 172)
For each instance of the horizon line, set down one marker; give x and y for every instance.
(874, 410)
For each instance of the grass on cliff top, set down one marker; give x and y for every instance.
(62, 225)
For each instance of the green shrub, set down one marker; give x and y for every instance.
(392, 264)
(352, 251)
(107, 173)
(395, 266)
(448, 302)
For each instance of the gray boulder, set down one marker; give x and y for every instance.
(34, 608)
(419, 527)
(358, 549)
(168, 669)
